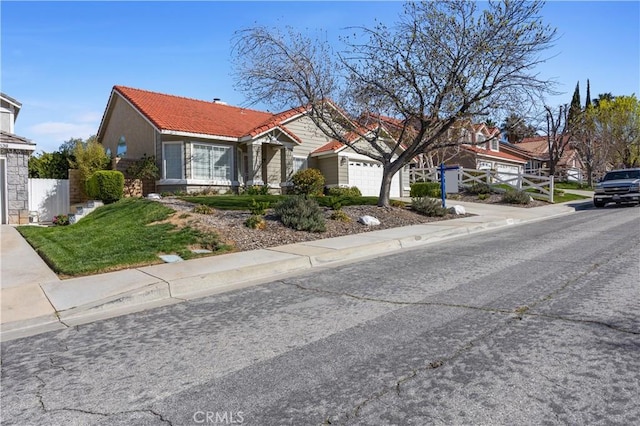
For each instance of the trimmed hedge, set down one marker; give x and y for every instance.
(352, 191)
(425, 189)
(105, 185)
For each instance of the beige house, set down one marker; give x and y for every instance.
(201, 145)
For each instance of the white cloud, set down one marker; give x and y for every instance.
(51, 134)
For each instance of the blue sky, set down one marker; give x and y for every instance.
(61, 59)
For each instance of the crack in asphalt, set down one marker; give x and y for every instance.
(431, 366)
(520, 313)
(40, 398)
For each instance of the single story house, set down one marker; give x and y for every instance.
(14, 165)
(202, 145)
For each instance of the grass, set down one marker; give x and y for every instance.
(572, 185)
(116, 236)
(241, 202)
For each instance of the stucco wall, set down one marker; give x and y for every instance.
(125, 121)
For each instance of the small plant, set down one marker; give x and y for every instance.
(308, 182)
(257, 190)
(61, 220)
(211, 241)
(352, 191)
(183, 216)
(203, 209)
(340, 216)
(300, 213)
(516, 197)
(397, 203)
(255, 222)
(479, 188)
(428, 206)
(335, 202)
(425, 189)
(483, 196)
(258, 208)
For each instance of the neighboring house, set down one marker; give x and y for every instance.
(478, 147)
(203, 145)
(14, 165)
(536, 151)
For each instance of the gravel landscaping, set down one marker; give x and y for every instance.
(229, 224)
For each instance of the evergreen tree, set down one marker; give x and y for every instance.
(575, 109)
(588, 101)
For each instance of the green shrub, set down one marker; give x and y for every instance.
(425, 189)
(483, 196)
(479, 188)
(203, 209)
(257, 190)
(397, 203)
(300, 213)
(352, 191)
(258, 208)
(105, 185)
(255, 222)
(428, 206)
(308, 182)
(516, 197)
(340, 216)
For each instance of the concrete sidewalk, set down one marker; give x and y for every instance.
(33, 299)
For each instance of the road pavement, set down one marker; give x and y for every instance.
(530, 324)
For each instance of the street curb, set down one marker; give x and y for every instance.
(168, 284)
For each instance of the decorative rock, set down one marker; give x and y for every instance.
(154, 196)
(171, 258)
(369, 220)
(457, 209)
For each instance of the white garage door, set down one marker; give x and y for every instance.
(367, 176)
(508, 174)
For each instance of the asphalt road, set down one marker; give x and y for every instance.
(534, 324)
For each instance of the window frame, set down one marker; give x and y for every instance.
(212, 180)
(164, 162)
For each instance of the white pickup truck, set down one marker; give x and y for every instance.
(618, 186)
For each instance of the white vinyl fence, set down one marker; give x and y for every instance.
(541, 184)
(49, 198)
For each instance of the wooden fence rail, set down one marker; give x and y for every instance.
(466, 177)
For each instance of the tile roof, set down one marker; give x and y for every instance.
(175, 113)
(6, 137)
(497, 154)
(331, 146)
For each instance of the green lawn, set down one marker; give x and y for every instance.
(572, 185)
(116, 236)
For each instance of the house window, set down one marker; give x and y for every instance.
(121, 151)
(172, 160)
(211, 162)
(480, 140)
(494, 144)
(299, 163)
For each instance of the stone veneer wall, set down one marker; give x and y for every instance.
(17, 185)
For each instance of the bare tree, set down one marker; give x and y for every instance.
(442, 62)
(559, 136)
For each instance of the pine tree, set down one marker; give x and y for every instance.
(588, 101)
(575, 109)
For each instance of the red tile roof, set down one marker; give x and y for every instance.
(497, 154)
(175, 113)
(331, 146)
